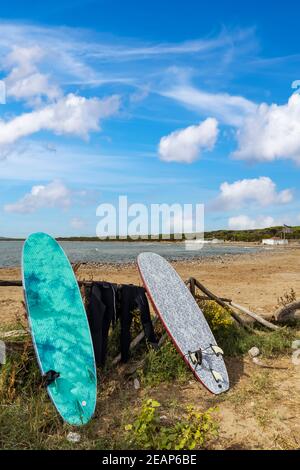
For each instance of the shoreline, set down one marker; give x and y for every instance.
(217, 258)
(254, 280)
(178, 252)
(262, 250)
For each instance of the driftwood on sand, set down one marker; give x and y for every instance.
(288, 312)
(193, 283)
(256, 317)
(229, 305)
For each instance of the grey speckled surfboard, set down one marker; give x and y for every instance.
(183, 320)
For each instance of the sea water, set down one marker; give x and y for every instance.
(122, 252)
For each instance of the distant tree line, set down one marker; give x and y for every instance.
(253, 235)
(228, 235)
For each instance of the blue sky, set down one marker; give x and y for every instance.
(165, 102)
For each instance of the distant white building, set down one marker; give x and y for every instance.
(275, 241)
(214, 241)
(217, 240)
(201, 241)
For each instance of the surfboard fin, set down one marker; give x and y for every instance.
(217, 376)
(217, 350)
(195, 356)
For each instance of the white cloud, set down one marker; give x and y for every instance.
(70, 115)
(24, 80)
(186, 145)
(227, 108)
(95, 46)
(54, 194)
(243, 222)
(271, 133)
(75, 54)
(261, 191)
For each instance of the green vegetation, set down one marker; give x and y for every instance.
(164, 365)
(236, 341)
(26, 416)
(193, 430)
(28, 420)
(255, 235)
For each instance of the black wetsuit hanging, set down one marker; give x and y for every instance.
(101, 312)
(134, 297)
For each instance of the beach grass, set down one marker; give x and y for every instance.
(28, 420)
(236, 340)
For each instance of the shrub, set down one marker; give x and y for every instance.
(164, 365)
(217, 317)
(193, 430)
(236, 340)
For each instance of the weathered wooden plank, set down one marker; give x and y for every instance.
(218, 301)
(228, 304)
(256, 317)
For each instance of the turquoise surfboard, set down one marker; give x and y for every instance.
(59, 328)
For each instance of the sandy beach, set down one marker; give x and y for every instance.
(253, 280)
(261, 409)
